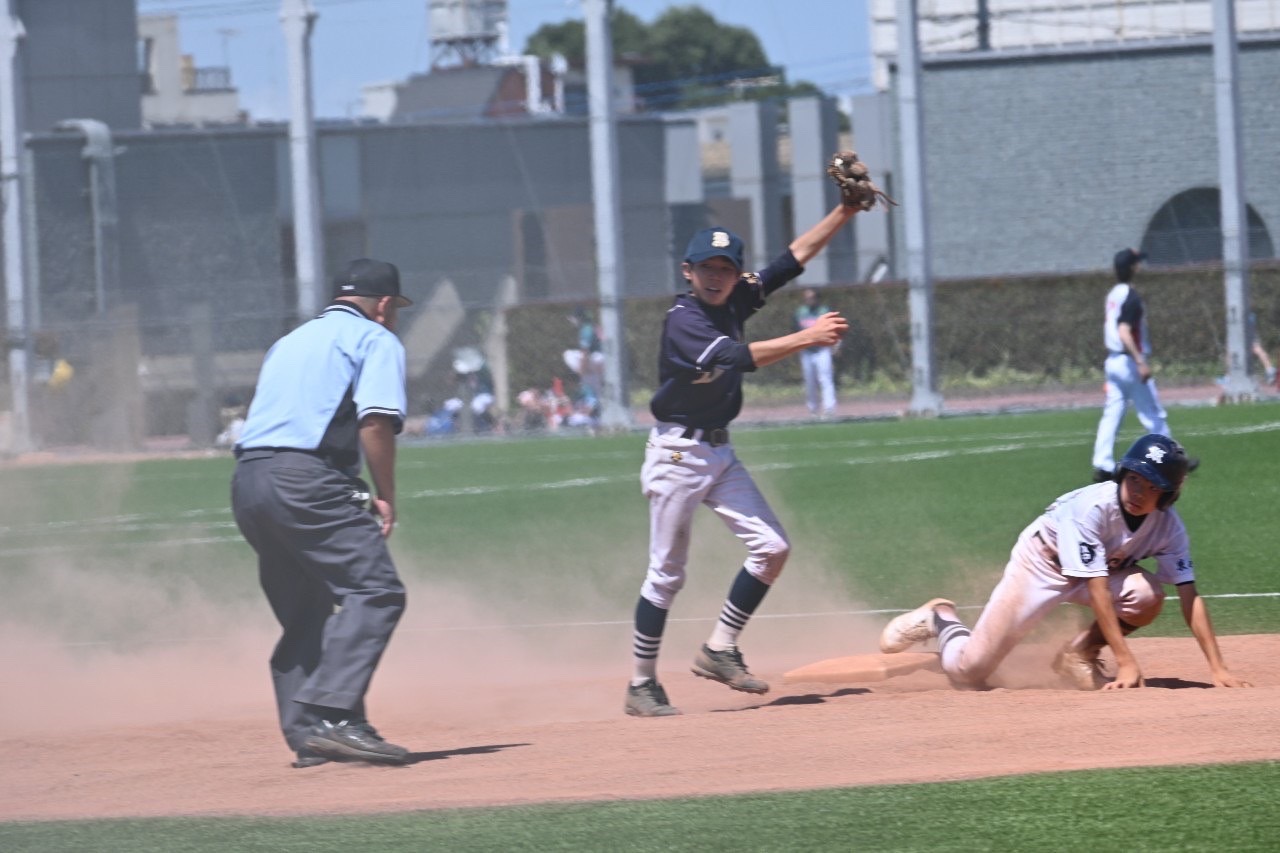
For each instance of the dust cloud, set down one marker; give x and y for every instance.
(94, 644)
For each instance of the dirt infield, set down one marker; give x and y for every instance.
(548, 736)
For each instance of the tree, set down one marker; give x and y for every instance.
(569, 39)
(686, 58)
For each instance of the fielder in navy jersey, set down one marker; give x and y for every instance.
(689, 460)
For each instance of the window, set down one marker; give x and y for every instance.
(1188, 230)
(146, 47)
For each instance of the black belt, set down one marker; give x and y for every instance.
(271, 451)
(714, 437)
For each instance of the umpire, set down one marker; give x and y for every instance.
(328, 390)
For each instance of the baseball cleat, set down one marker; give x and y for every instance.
(728, 668)
(1082, 670)
(356, 739)
(649, 700)
(910, 628)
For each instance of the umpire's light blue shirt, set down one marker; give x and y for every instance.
(321, 379)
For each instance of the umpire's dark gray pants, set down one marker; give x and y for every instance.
(317, 549)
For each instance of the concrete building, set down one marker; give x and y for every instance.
(464, 93)
(175, 91)
(1052, 160)
(79, 61)
(963, 26)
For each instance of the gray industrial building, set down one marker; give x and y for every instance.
(79, 60)
(1049, 160)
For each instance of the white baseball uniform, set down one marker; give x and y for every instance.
(1124, 384)
(1082, 534)
(816, 365)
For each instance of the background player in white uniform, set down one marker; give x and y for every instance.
(816, 363)
(1084, 549)
(1128, 371)
(689, 460)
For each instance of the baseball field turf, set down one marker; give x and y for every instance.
(554, 530)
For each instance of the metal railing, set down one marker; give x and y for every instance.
(212, 79)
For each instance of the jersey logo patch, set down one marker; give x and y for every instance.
(709, 376)
(1087, 553)
(1155, 454)
(1184, 565)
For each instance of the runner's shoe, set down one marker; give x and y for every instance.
(1082, 670)
(910, 628)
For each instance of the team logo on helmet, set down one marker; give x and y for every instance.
(1087, 553)
(1156, 453)
(720, 239)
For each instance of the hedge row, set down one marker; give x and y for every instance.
(1046, 328)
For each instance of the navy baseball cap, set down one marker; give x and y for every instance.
(367, 277)
(714, 243)
(1125, 260)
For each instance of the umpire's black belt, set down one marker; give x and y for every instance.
(263, 452)
(714, 437)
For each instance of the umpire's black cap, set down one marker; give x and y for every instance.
(367, 277)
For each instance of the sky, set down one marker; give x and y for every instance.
(358, 42)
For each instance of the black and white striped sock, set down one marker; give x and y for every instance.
(650, 622)
(744, 597)
(948, 630)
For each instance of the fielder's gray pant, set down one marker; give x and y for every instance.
(318, 549)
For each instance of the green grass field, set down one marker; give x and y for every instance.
(1211, 808)
(890, 513)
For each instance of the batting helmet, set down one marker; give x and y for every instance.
(1162, 461)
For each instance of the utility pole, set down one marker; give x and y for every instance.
(17, 332)
(1235, 237)
(925, 400)
(298, 18)
(616, 408)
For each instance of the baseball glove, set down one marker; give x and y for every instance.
(853, 179)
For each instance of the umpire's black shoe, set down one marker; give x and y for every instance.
(307, 758)
(1101, 476)
(353, 739)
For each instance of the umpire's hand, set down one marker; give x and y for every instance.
(386, 513)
